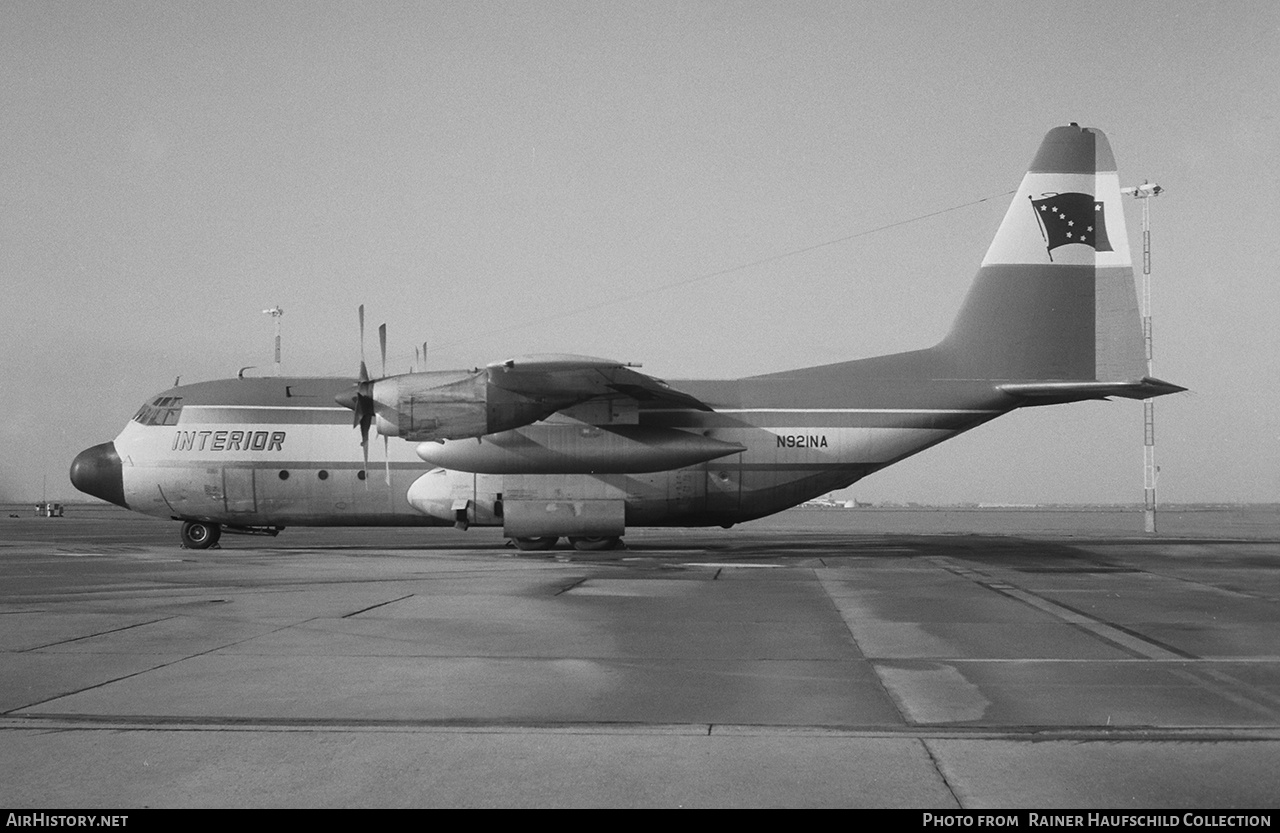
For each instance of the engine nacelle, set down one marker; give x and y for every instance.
(452, 405)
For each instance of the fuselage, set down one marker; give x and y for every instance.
(277, 452)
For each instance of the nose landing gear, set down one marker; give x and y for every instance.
(199, 535)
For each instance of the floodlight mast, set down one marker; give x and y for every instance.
(276, 312)
(1145, 192)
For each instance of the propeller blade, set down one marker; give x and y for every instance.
(364, 447)
(382, 342)
(361, 402)
(382, 346)
(363, 373)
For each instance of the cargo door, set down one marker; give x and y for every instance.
(239, 489)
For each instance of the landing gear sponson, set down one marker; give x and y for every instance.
(201, 535)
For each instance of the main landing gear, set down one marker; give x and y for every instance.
(535, 544)
(583, 544)
(199, 535)
(596, 543)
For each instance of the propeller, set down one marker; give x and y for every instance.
(359, 398)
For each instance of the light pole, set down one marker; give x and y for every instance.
(277, 312)
(1145, 192)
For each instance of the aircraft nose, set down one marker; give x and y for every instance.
(96, 471)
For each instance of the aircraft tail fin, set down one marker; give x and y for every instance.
(1054, 298)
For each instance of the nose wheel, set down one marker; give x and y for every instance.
(198, 535)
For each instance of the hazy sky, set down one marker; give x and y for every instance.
(504, 178)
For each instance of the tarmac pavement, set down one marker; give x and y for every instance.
(800, 662)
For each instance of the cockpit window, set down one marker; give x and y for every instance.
(163, 410)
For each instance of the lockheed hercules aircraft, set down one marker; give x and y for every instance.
(556, 446)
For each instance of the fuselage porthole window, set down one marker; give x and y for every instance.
(284, 475)
(324, 475)
(360, 475)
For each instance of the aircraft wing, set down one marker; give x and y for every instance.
(578, 379)
(448, 405)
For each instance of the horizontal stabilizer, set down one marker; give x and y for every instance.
(1045, 393)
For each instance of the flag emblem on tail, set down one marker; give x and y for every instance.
(1072, 218)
